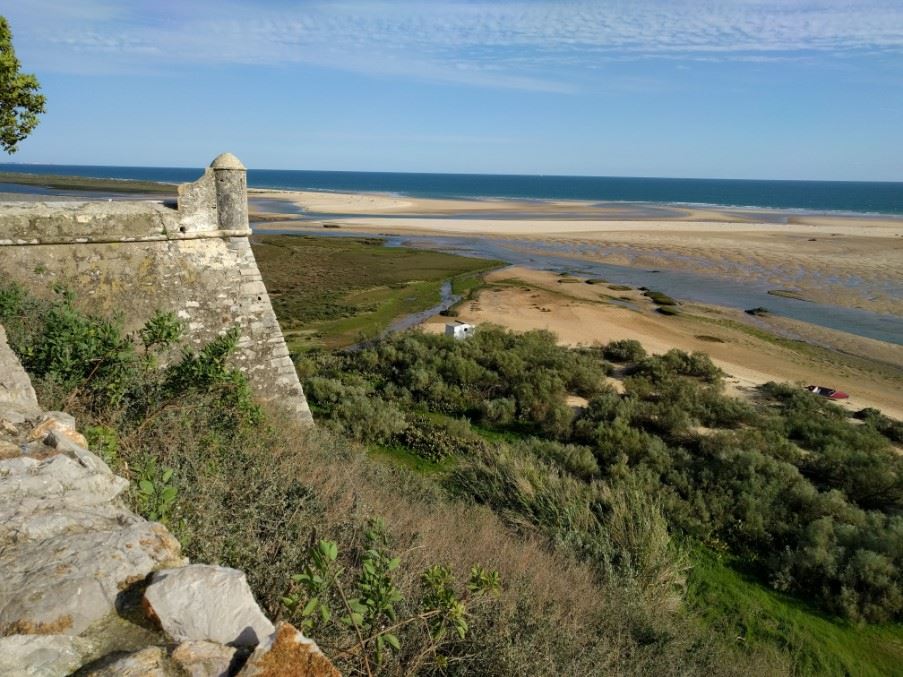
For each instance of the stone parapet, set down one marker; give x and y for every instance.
(133, 258)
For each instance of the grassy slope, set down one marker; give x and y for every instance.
(758, 616)
(740, 606)
(736, 604)
(351, 287)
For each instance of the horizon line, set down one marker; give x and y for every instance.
(439, 173)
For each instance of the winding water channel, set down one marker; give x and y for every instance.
(687, 286)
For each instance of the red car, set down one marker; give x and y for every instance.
(830, 393)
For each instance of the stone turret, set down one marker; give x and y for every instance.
(137, 258)
(231, 192)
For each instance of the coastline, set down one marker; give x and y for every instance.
(848, 261)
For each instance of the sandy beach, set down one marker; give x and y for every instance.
(580, 314)
(853, 261)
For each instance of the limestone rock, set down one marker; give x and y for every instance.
(17, 397)
(66, 584)
(8, 427)
(9, 450)
(68, 445)
(58, 477)
(43, 499)
(288, 653)
(204, 659)
(203, 602)
(41, 654)
(59, 424)
(149, 662)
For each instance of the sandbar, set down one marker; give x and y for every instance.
(847, 260)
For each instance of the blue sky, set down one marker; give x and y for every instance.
(737, 88)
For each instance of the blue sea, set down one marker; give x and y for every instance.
(855, 197)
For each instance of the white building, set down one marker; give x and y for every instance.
(459, 330)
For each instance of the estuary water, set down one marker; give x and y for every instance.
(682, 285)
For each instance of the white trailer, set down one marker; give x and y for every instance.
(459, 330)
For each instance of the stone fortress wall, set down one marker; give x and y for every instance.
(133, 258)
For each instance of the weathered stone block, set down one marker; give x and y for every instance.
(204, 659)
(288, 653)
(207, 603)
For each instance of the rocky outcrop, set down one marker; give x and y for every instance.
(17, 398)
(88, 587)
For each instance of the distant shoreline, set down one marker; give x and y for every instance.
(636, 210)
(88, 184)
(867, 199)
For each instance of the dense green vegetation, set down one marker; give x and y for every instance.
(383, 566)
(602, 522)
(805, 498)
(352, 288)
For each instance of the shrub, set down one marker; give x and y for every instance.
(624, 350)
(659, 298)
(746, 477)
(575, 459)
(438, 441)
(891, 429)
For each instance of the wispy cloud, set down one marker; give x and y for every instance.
(523, 45)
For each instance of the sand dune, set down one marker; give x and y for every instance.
(581, 314)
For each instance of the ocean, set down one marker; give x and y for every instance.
(853, 197)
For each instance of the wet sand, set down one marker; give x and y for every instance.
(853, 261)
(581, 314)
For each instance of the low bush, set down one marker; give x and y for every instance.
(659, 298)
(749, 477)
(625, 350)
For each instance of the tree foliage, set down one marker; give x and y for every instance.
(20, 99)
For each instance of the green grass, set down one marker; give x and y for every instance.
(331, 292)
(401, 456)
(467, 284)
(378, 307)
(759, 617)
(827, 356)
